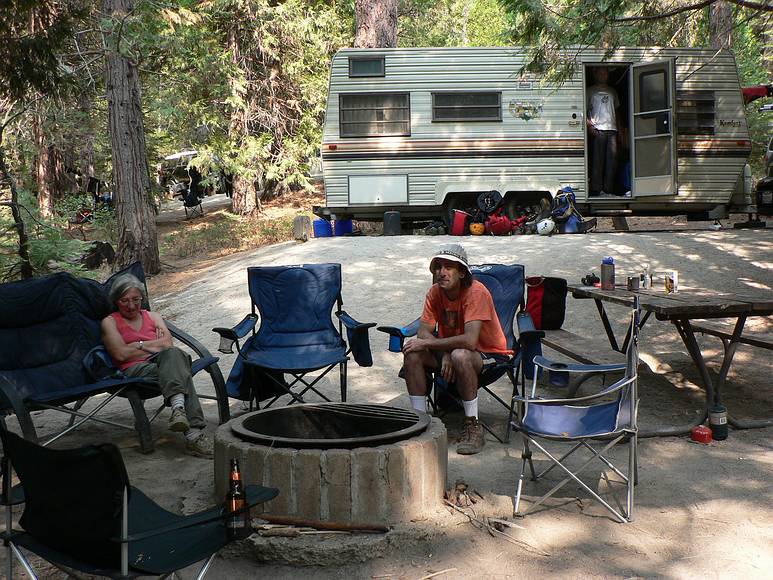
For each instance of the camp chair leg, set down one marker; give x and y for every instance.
(205, 567)
(525, 456)
(560, 460)
(8, 524)
(23, 560)
(343, 377)
(141, 423)
(632, 476)
(76, 407)
(574, 476)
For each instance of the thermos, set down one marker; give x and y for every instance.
(718, 422)
(608, 273)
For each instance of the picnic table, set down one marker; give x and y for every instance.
(686, 310)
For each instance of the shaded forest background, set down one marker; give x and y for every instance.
(106, 91)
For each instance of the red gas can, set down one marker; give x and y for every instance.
(701, 434)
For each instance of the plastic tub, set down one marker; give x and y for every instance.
(343, 227)
(392, 223)
(322, 228)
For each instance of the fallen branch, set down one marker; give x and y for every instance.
(319, 525)
(446, 571)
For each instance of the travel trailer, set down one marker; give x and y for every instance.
(425, 130)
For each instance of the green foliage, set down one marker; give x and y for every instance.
(51, 248)
(451, 23)
(229, 234)
(31, 34)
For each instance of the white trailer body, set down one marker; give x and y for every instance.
(423, 130)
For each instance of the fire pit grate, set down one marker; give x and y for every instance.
(329, 426)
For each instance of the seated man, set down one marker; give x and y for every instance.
(140, 345)
(468, 331)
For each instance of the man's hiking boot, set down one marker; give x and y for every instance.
(472, 440)
(201, 446)
(178, 421)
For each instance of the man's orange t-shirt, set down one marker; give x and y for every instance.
(473, 303)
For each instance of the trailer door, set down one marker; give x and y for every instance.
(654, 144)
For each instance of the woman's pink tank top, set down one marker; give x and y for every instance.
(146, 332)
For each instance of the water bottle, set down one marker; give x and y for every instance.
(608, 273)
(718, 422)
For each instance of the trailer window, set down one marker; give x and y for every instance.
(374, 114)
(695, 112)
(366, 66)
(472, 106)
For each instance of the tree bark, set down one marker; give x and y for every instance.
(44, 168)
(137, 238)
(721, 25)
(375, 23)
(244, 199)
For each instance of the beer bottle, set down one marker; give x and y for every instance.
(239, 523)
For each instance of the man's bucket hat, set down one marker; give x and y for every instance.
(452, 252)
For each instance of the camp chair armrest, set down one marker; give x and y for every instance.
(246, 325)
(358, 334)
(402, 331)
(526, 328)
(351, 323)
(229, 336)
(256, 495)
(576, 368)
(621, 384)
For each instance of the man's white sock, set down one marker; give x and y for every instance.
(471, 408)
(177, 400)
(419, 402)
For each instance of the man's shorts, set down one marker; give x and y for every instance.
(487, 357)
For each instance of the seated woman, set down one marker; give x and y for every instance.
(140, 345)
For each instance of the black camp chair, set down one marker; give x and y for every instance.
(50, 334)
(81, 513)
(296, 335)
(506, 285)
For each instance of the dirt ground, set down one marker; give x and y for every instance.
(701, 511)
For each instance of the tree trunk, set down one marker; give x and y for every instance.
(244, 199)
(86, 161)
(137, 238)
(5, 175)
(44, 168)
(721, 25)
(375, 23)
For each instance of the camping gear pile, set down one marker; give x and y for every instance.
(559, 216)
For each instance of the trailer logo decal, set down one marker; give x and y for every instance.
(526, 110)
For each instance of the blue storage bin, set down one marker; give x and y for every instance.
(322, 228)
(343, 227)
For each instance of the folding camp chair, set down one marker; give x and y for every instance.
(605, 418)
(81, 513)
(296, 335)
(506, 285)
(192, 204)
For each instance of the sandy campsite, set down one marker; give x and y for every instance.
(701, 511)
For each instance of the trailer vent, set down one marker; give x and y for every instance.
(695, 112)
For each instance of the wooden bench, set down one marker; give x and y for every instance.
(725, 333)
(584, 350)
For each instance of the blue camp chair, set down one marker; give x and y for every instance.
(296, 335)
(80, 512)
(605, 418)
(506, 285)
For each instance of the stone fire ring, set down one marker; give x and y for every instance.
(381, 485)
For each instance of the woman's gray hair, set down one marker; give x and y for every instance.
(122, 284)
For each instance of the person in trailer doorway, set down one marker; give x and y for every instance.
(459, 331)
(603, 105)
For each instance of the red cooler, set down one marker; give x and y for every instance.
(460, 222)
